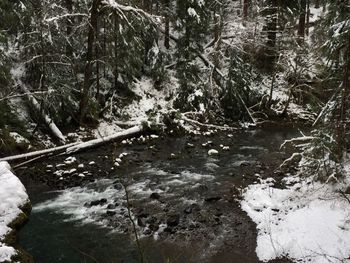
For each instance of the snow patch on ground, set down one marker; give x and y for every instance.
(150, 99)
(12, 196)
(307, 222)
(106, 129)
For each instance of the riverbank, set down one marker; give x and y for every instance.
(15, 208)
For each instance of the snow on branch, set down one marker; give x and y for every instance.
(52, 19)
(297, 140)
(123, 8)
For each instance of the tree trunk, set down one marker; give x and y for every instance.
(116, 31)
(346, 85)
(167, 23)
(147, 6)
(69, 48)
(84, 101)
(307, 17)
(270, 53)
(302, 20)
(317, 3)
(245, 9)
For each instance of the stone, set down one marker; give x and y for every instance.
(98, 202)
(212, 198)
(111, 206)
(155, 196)
(173, 220)
(111, 213)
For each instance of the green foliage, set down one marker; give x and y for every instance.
(238, 84)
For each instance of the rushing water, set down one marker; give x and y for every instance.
(65, 227)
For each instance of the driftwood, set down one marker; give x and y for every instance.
(77, 146)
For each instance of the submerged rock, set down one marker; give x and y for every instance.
(98, 202)
(173, 220)
(212, 198)
(111, 213)
(154, 196)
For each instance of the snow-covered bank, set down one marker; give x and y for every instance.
(13, 197)
(306, 222)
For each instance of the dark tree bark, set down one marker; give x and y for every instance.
(302, 21)
(89, 60)
(147, 6)
(317, 3)
(346, 85)
(307, 17)
(167, 24)
(69, 48)
(246, 4)
(116, 31)
(272, 24)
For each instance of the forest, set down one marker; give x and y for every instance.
(175, 131)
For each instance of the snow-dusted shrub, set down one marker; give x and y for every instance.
(237, 87)
(318, 156)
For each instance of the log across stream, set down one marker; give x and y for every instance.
(183, 201)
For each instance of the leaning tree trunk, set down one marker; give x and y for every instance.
(84, 101)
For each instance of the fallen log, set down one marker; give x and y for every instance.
(218, 127)
(96, 142)
(55, 131)
(78, 146)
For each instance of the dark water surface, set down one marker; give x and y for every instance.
(63, 228)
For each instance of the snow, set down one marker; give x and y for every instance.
(12, 196)
(191, 12)
(106, 129)
(19, 138)
(213, 152)
(150, 99)
(307, 222)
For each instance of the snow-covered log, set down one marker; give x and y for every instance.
(58, 149)
(48, 121)
(16, 75)
(96, 142)
(197, 123)
(77, 146)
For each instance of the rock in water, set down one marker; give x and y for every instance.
(173, 220)
(155, 196)
(213, 152)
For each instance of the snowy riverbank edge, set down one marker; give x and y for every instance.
(305, 222)
(14, 211)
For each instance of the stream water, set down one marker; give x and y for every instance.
(182, 199)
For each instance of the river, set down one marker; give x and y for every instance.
(185, 202)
